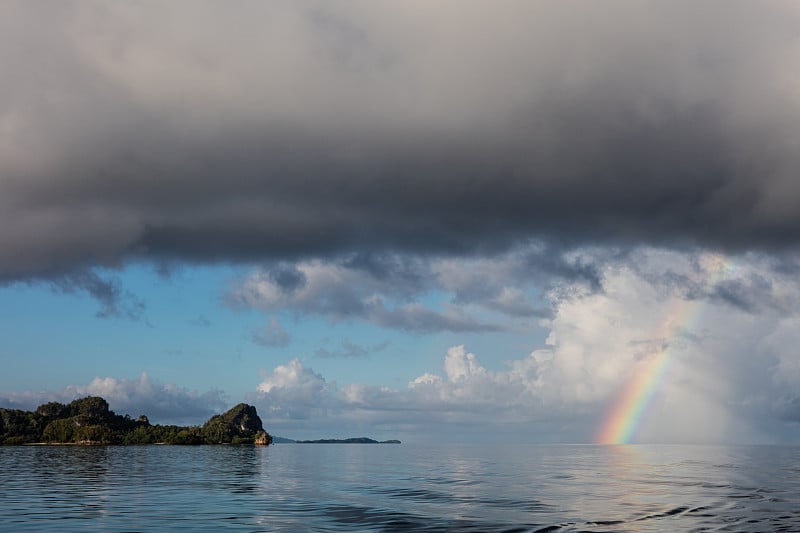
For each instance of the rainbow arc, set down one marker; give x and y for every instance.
(631, 406)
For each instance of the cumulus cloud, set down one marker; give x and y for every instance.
(468, 397)
(292, 391)
(162, 403)
(199, 132)
(731, 373)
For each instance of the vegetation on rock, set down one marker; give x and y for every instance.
(90, 421)
(239, 425)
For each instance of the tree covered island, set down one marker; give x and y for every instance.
(90, 421)
(352, 440)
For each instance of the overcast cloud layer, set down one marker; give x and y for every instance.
(197, 131)
(454, 167)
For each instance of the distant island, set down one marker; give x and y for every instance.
(90, 421)
(354, 440)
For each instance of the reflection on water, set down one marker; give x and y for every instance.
(394, 488)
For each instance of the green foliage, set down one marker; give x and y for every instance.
(188, 436)
(216, 431)
(62, 430)
(95, 434)
(238, 425)
(19, 427)
(93, 407)
(90, 421)
(140, 435)
(52, 410)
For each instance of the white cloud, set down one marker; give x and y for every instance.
(731, 372)
(162, 403)
(294, 376)
(292, 391)
(462, 366)
(426, 379)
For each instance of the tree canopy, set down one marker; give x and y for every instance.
(89, 420)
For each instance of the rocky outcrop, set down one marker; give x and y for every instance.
(240, 424)
(262, 438)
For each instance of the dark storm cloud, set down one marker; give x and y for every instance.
(550, 262)
(192, 131)
(106, 289)
(752, 283)
(409, 273)
(114, 301)
(288, 277)
(742, 295)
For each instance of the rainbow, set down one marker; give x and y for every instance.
(625, 416)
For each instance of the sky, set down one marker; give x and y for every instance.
(518, 221)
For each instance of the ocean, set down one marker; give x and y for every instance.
(406, 487)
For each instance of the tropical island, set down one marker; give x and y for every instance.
(90, 421)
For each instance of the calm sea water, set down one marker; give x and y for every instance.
(349, 487)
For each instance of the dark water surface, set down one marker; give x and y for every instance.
(352, 487)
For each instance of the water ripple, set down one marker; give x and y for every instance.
(400, 488)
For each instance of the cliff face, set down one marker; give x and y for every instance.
(90, 421)
(240, 424)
